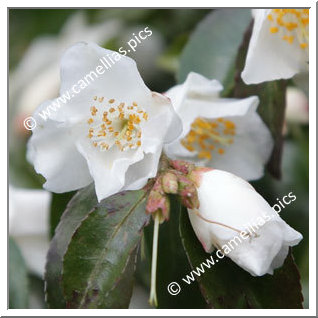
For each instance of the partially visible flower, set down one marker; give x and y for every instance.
(29, 225)
(279, 45)
(297, 107)
(222, 133)
(235, 219)
(36, 78)
(111, 133)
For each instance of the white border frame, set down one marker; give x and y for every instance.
(312, 163)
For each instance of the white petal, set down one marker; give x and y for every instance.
(120, 81)
(262, 254)
(269, 57)
(238, 211)
(252, 144)
(202, 231)
(251, 149)
(163, 123)
(256, 254)
(233, 202)
(195, 86)
(52, 151)
(108, 168)
(139, 173)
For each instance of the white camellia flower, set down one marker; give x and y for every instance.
(112, 132)
(235, 219)
(29, 225)
(222, 133)
(278, 47)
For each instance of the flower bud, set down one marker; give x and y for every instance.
(188, 193)
(170, 183)
(158, 201)
(234, 218)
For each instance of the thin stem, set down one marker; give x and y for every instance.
(214, 222)
(153, 292)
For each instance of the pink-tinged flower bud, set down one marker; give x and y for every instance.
(188, 192)
(170, 183)
(158, 201)
(234, 218)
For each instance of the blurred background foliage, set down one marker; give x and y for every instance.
(183, 40)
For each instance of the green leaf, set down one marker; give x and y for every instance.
(18, 278)
(99, 264)
(213, 46)
(82, 203)
(58, 206)
(92, 256)
(271, 107)
(172, 263)
(226, 285)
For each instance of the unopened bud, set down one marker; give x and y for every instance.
(188, 193)
(158, 202)
(170, 183)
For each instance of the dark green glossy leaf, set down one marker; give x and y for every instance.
(58, 206)
(226, 285)
(172, 263)
(82, 203)
(99, 264)
(212, 48)
(18, 278)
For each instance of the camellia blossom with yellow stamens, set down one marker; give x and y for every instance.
(111, 133)
(279, 45)
(222, 133)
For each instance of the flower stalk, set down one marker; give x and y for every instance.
(153, 290)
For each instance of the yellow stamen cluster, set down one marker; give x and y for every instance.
(291, 25)
(116, 125)
(207, 136)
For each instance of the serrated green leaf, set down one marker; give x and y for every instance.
(212, 48)
(172, 263)
(99, 264)
(78, 208)
(18, 278)
(226, 285)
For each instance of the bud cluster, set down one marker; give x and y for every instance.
(176, 178)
